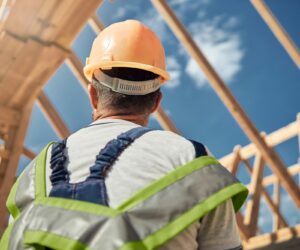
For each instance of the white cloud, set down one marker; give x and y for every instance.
(289, 210)
(221, 46)
(188, 2)
(231, 22)
(155, 21)
(173, 68)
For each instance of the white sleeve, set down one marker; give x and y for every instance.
(218, 229)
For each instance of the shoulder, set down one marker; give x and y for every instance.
(174, 144)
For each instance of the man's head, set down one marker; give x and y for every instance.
(126, 68)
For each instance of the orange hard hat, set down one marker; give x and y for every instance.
(127, 44)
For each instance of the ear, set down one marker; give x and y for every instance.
(157, 102)
(93, 96)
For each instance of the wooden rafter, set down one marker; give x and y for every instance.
(233, 167)
(228, 99)
(271, 179)
(252, 207)
(164, 121)
(52, 115)
(271, 239)
(275, 209)
(9, 116)
(15, 146)
(278, 30)
(276, 198)
(273, 139)
(96, 24)
(76, 67)
(28, 153)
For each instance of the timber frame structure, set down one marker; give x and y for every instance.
(32, 33)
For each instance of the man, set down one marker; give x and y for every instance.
(146, 189)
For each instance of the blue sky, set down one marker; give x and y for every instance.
(244, 52)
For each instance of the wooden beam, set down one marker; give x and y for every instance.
(9, 116)
(52, 115)
(282, 235)
(96, 24)
(76, 67)
(273, 139)
(16, 148)
(165, 121)
(228, 99)
(278, 30)
(276, 198)
(236, 160)
(28, 153)
(298, 133)
(267, 197)
(271, 179)
(252, 206)
(4, 153)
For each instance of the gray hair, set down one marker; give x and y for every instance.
(126, 104)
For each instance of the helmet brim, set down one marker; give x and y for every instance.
(90, 68)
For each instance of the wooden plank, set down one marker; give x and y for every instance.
(22, 68)
(268, 154)
(6, 5)
(52, 115)
(271, 239)
(271, 179)
(298, 133)
(277, 30)
(39, 74)
(272, 205)
(4, 153)
(276, 198)
(16, 149)
(28, 153)
(84, 9)
(46, 18)
(236, 160)
(76, 68)
(3, 130)
(273, 139)
(21, 16)
(165, 121)
(252, 207)
(96, 24)
(8, 144)
(9, 48)
(9, 116)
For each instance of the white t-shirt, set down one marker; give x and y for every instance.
(148, 158)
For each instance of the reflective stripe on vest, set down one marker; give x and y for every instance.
(196, 188)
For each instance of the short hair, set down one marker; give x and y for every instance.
(127, 104)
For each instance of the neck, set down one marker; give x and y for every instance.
(137, 119)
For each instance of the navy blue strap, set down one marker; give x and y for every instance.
(57, 163)
(199, 149)
(113, 149)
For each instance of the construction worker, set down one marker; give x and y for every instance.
(117, 184)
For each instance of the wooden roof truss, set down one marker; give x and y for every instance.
(36, 38)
